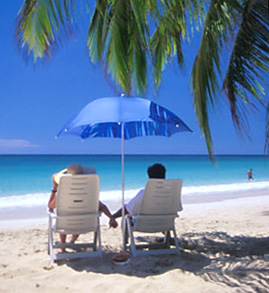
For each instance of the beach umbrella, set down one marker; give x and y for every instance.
(125, 118)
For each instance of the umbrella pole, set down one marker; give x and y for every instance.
(122, 185)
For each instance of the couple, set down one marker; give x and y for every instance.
(133, 207)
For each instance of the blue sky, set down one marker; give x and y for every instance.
(37, 100)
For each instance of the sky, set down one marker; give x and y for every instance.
(36, 100)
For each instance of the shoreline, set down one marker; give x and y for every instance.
(15, 217)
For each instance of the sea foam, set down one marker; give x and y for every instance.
(41, 199)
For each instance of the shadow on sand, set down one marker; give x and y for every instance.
(237, 261)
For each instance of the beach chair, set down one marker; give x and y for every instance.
(160, 205)
(76, 213)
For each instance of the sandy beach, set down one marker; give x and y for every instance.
(224, 248)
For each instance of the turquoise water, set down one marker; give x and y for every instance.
(28, 174)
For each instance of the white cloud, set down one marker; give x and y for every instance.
(16, 143)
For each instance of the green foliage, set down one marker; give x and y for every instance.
(118, 36)
(204, 80)
(40, 23)
(249, 61)
(127, 37)
(247, 64)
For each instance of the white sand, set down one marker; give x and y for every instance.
(225, 248)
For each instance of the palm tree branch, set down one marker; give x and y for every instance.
(98, 30)
(139, 35)
(204, 80)
(248, 62)
(117, 57)
(40, 23)
(165, 42)
(173, 20)
(118, 35)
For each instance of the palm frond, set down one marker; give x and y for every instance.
(204, 79)
(165, 42)
(118, 36)
(117, 54)
(98, 30)
(196, 11)
(248, 62)
(171, 27)
(40, 22)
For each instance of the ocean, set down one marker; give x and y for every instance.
(25, 180)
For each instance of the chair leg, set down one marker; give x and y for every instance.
(176, 240)
(166, 240)
(50, 235)
(127, 232)
(50, 241)
(95, 240)
(98, 236)
(132, 238)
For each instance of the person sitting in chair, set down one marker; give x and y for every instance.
(76, 169)
(156, 171)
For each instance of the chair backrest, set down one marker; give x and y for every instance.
(162, 197)
(78, 195)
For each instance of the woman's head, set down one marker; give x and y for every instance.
(74, 169)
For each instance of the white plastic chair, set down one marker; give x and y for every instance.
(76, 213)
(160, 205)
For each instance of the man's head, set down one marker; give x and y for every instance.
(156, 171)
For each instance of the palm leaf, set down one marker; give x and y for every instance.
(98, 30)
(165, 44)
(248, 62)
(117, 37)
(204, 79)
(40, 23)
(171, 24)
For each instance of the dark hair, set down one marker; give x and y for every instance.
(156, 171)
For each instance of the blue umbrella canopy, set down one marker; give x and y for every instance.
(104, 117)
